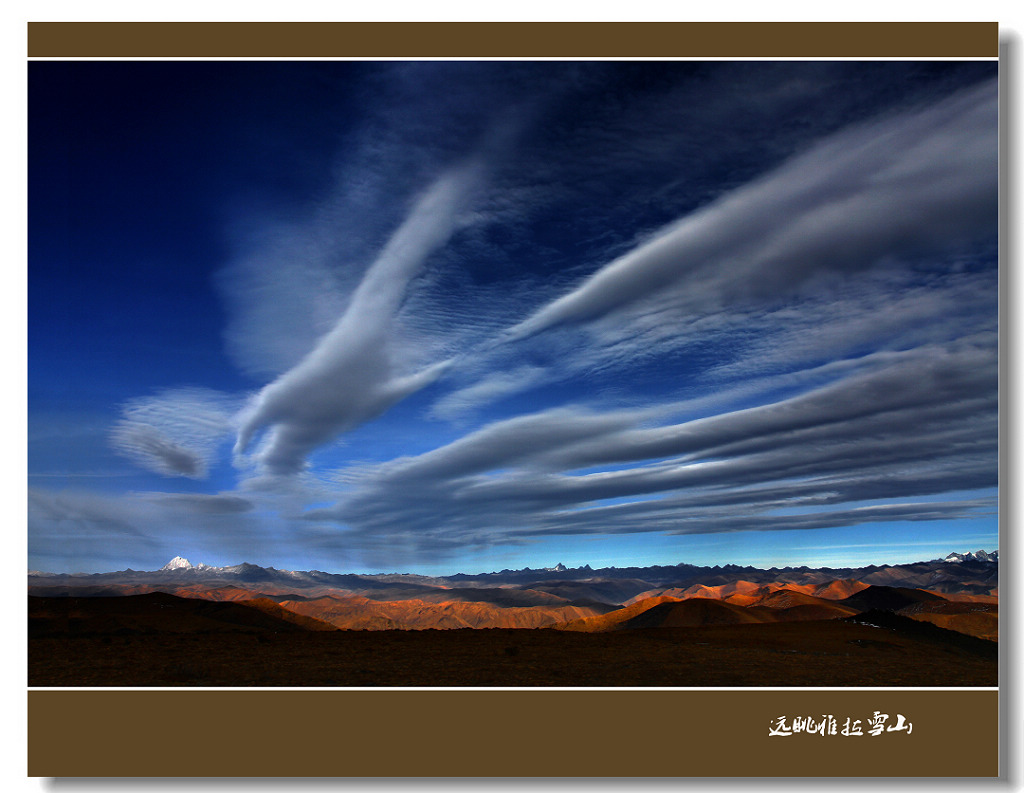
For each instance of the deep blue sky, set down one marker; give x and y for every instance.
(456, 316)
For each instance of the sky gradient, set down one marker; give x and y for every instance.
(437, 317)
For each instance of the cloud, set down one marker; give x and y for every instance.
(281, 293)
(884, 313)
(175, 432)
(350, 377)
(294, 266)
(900, 426)
(491, 387)
(911, 183)
(743, 311)
(911, 383)
(812, 347)
(77, 529)
(518, 440)
(203, 503)
(70, 529)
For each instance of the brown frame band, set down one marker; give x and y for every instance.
(513, 39)
(509, 733)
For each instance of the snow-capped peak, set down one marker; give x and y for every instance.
(977, 556)
(177, 563)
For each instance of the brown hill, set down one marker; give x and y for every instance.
(924, 630)
(693, 612)
(737, 591)
(887, 598)
(225, 592)
(703, 591)
(361, 613)
(270, 608)
(159, 640)
(110, 590)
(667, 612)
(613, 591)
(677, 593)
(771, 603)
(742, 593)
(785, 605)
(220, 593)
(967, 597)
(746, 593)
(753, 596)
(503, 597)
(156, 612)
(974, 619)
(785, 598)
(613, 620)
(838, 589)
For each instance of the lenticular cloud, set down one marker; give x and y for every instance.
(913, 182)
(350, 376)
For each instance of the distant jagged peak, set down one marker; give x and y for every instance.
(976, 556)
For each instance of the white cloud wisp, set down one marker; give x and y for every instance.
(350, 377)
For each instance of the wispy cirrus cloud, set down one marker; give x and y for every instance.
(175, 432)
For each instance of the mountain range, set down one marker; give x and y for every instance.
(932, 623)
(972, 572)
(977, 556)
(958, 592)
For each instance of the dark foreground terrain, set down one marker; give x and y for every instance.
(160, 640)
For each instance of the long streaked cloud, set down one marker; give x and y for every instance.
(903, 426)
(490, 387)
(349, 377)
(203, 503)
(912, 183)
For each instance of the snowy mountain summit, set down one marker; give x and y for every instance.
(977, 556)
(181, 563)
(177, 563)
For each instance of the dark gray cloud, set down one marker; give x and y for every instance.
(687, 522)
(155, 450)
(203, 503)
(901, 426)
